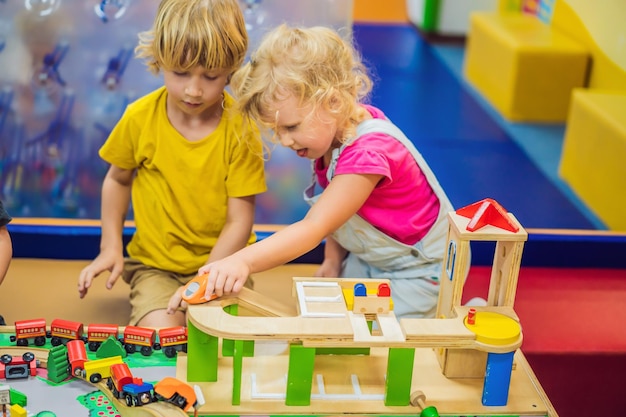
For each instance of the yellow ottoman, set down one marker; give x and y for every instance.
(593, 158)
(522, 66)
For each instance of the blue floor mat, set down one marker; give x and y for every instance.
(472, 155)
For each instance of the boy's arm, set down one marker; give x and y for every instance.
(116, 190)
(236, 231)
(6, 251)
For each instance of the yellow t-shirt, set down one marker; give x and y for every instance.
(180, 192)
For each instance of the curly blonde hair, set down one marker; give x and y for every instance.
(316, 65)
(188, 33)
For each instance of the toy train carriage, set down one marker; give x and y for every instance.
(172, 340)
(99, 369)
(62, 331)
(76, 356)
(98, 333)
(29, 330)
(141, 337)
(132, 390)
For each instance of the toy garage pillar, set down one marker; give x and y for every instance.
(482, 221)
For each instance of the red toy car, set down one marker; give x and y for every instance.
(14, 368)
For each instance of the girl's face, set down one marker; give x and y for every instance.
(308, 131)
(197, 92)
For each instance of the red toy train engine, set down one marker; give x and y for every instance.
(124, 385)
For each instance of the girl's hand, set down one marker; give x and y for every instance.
(225, 276)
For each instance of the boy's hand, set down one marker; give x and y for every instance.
(176, 301)
(106, 261)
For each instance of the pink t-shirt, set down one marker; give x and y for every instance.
(403, 205)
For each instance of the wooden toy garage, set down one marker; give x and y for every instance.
(346, 352)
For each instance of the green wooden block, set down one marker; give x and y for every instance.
(237, 370)
(202, 355)
(399, 376)
(111, 347)
(300, 375)
(228, 345)
(18, 397)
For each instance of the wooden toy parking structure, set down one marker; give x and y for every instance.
(326, 324)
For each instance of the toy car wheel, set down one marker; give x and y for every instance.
(6, 359)
(28, 357)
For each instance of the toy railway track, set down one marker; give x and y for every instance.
(41, 354)
(157, 409)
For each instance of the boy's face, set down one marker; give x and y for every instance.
(196, 92)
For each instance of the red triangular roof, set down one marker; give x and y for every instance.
(487, 211)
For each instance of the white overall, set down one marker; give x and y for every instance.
(415, 270)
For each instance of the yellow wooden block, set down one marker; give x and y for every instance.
(17, 411)
(522, 66)
(593, 158)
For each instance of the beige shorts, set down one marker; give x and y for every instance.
(152, 288)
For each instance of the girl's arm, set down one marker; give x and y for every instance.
(340, 200)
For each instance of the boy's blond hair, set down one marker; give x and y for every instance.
(314, 64)
(188, 33)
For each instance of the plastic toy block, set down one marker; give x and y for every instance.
(487, 212)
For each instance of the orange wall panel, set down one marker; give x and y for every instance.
(380, 11)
